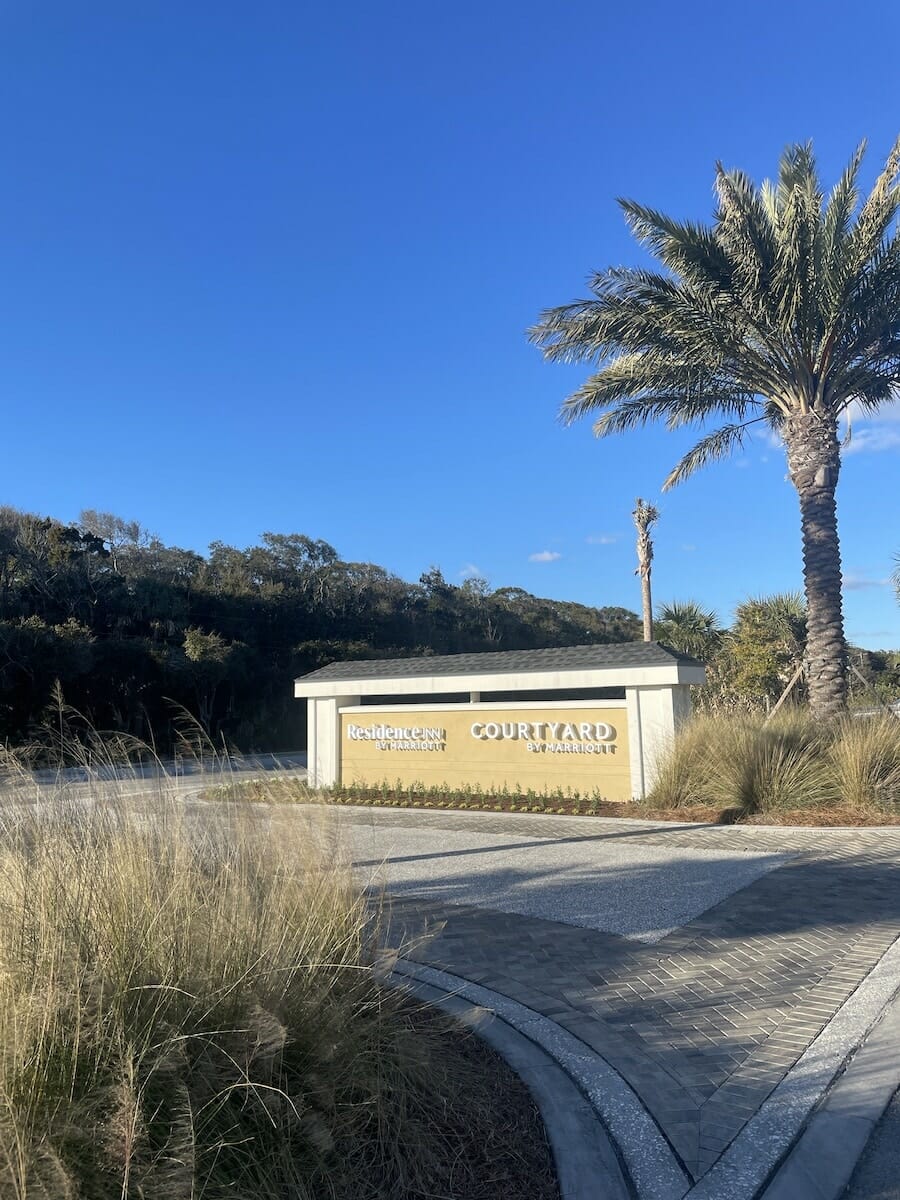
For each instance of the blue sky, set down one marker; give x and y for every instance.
(270, 267)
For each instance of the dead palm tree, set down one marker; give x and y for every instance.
(645, 516)
(784, 311)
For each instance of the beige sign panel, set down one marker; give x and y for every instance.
(584, 749)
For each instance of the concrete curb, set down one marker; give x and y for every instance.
(652, 1168)
(586, 1163)
(824, 1158)
(802, 1144)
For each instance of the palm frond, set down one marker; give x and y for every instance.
(747, 237)
(715, 446)
(651, 386)
(878, 211)
(690, 250)
(799, 251)
(636, 311)
(842, 204)
(789, 302)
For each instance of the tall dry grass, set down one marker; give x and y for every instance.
(190, 1008)
(864, 760)
(748, 765)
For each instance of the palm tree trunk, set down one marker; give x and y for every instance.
(814, 461)
(644, 516)
(647, 606)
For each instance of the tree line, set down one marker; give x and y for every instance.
(136, 631)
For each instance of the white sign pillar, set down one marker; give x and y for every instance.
(655, 714)
(324, 742)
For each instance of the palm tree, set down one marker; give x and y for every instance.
(645, 517)
(686, 626)
(784, 311)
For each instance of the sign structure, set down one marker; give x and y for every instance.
(593, 719)
(538, 747)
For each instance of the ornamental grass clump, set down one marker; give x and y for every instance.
(761, 767)
(865, 760)
(748, 766)
(683, 774)
(745, 765)
(190, 1007)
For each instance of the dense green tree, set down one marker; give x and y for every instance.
(783, 312)
(765, 646)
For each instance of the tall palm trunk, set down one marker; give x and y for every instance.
(644, 517)
(814, 461)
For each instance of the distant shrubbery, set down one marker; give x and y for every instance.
(749, 665)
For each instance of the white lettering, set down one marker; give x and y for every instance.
(477, 730)
(395, 737)
(492, 730)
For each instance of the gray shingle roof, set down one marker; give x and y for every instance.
(557, 658)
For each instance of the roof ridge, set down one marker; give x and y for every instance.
(470, 662)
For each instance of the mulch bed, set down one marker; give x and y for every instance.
(826, 817)
(492, 1126)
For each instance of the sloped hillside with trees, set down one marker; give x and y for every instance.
(132, 629)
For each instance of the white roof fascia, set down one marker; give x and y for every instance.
(669, 674)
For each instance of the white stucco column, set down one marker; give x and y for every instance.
(323, 738)
(655, 714)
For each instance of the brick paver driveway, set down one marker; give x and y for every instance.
(702, 1022)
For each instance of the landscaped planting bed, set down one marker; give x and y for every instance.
(790, 770)
(192, 1005)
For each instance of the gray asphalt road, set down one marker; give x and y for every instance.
(173, 768)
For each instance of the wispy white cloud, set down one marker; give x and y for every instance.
(869, 434)
(858, 581)
(545, 556)
(470, 571)
(689, 547)
(601, 539)
(876, 436)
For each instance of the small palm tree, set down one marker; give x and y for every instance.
(686, 626)
(784, 311)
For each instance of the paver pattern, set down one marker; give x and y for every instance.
(704, 1023)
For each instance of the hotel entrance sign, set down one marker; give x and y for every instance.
(590, 719)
